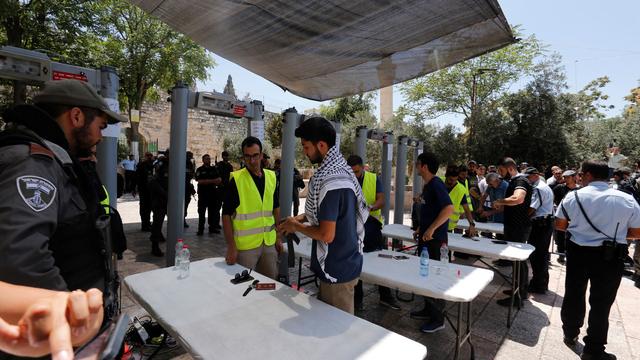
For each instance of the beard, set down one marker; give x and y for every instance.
(82, 137)
(316, 157)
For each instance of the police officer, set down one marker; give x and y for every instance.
(159, 198)
(541, 230)
(48, 213)
(569, 183)
(373, 193)
(599, 220)
(208, 179)
(144, 175)
(189, 190)
(517, 223)
(250, 212)
(224, 169)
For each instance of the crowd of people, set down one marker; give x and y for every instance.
(54, 257)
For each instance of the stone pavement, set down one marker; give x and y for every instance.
(536, 332)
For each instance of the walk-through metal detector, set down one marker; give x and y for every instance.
(401, 169)
(362, 135)
(291, 120)
(35, 68)
(182, 99)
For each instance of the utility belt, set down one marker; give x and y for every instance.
(543, 219)
(609, 250)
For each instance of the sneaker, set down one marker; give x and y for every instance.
(391, 303)
(600, 356)
(432, 326)
(419, 314)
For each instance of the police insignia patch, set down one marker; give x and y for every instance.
(37, 193)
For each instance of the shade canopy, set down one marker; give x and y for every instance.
(323, 49)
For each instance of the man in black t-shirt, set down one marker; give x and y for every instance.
(517, 224)
(559, 192)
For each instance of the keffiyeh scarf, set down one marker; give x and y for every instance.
(334, 173)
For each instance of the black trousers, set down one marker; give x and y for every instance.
(373, 241)
(435, 307)
(586, 264)
(145, 207)
(217, 206)
(296, 202)
(560, 238)
(129, 181)
(540, 238)
(520, 234)
(207, 203)
(159, 212)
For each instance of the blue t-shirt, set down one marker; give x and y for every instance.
(498, 194)
(435, 197)
(344, 260)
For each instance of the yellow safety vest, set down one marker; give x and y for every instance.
(455, 195)
(466, 192)
(253, 221)
(369, 192)
(105, 203)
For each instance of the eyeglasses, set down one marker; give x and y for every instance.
(253, 157)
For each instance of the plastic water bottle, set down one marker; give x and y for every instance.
(424, 262)
(185, 256)
(444, 255)
(176, 259)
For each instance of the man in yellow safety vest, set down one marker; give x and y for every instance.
(250, 212)
(459, 198)
(373, 192)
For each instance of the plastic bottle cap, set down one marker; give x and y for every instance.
(180, 240)
(185, 246)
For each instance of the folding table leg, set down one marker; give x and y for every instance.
(299, 272)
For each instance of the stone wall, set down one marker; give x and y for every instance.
(206, 132)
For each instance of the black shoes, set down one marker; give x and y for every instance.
(155, 250)
(570, 341)
(214, 231)
(419, 314)
(507, 302)
(391, 303)
(200, 232)
(146, 228)
(600, 356)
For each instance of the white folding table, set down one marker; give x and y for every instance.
(403, 275)
(212, 320)
(489, 248)
(496, 228)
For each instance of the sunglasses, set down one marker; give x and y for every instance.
(243, 275)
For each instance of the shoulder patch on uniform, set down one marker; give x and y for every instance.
(37, 149)
(38, 193)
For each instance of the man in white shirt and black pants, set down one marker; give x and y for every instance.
(541, 211)
(600, 220)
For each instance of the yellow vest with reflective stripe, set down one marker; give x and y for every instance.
(105, 202)
(455, 195)
(466, 189)
(369, 192)
(253, 222)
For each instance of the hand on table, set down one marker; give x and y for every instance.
(53, 325)
(232, 255)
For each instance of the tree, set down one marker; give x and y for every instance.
(449, 90)
(149, 55)
(64, 29)
(343, 109)
(273, 130)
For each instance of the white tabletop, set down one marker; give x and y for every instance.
(478, 245)
(443, 283)
(496, 228)
(212, 319)
(403, 275)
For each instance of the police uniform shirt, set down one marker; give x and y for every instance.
(612, 212)
(206, 173)
(542, 199)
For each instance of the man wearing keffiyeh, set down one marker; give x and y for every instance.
(335, 201)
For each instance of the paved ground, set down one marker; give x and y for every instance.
(535, 334)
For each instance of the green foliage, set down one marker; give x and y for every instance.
(149, 55)
(450, 90)
(273, 130)
(344, 109)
